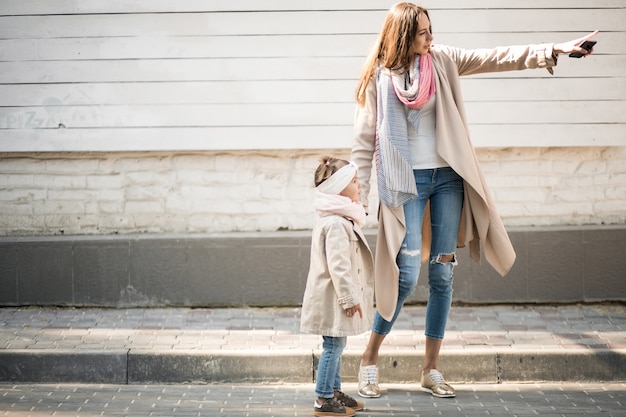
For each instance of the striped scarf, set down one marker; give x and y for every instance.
(395, 93)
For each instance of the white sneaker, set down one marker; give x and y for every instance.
(368, 381)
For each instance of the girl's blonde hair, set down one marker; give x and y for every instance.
(394, 47)
(327, 167)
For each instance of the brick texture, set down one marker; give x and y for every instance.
(151, 192)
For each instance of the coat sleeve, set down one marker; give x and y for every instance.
(338, 257)
(502, 58)
(364, 143)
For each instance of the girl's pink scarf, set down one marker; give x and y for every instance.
(329, 204)
(421, 88)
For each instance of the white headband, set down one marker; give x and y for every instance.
(339, 180)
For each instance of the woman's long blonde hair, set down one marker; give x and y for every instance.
(394, 47)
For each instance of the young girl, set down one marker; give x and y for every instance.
(338, 300)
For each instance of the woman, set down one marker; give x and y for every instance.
(410, 117)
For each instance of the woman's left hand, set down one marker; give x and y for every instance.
(574, 46)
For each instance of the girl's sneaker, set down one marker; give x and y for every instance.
(348, 401)
(331, 407)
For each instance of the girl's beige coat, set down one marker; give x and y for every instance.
(480, 224)
(341, 275)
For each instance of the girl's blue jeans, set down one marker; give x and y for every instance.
(329, 369)
(444, 188)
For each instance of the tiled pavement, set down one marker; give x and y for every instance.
(514, 328)
(265, 400)
(503, 343)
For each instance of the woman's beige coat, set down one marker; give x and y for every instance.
(480, 224)
(341, 275)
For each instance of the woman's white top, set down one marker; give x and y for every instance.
(422, 144)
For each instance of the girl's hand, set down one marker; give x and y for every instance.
(574, 46)
(353, 310)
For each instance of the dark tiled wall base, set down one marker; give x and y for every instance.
(564, 264)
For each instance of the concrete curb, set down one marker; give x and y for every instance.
(299, 366)
(58, 366)
(218, 366)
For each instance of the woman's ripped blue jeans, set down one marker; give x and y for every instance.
(444, 188)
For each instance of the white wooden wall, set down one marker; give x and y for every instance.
(167, 75)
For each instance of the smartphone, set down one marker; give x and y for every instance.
(585, 45)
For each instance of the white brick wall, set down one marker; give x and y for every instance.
(557, 186)
(47, 194)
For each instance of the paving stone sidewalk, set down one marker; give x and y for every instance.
(502, 342)
(607, 400)
(510, 327)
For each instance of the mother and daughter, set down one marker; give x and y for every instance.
(411, 120)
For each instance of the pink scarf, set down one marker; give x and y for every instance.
(329, 204)
(422, 88)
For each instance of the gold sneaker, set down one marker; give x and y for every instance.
(434, 383)
(368, 381)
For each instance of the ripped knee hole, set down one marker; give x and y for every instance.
(445, 258)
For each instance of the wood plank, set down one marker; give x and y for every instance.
(548, 112)
(180, 70)
(182, 115)
(196, 138)
(203, 92)
(295, 91)
(288, 46)
(272, 23)
(293, 114)
(189, 24)
(30, 7)
(526, 4)
(540, 135)
(555, 88)
(239, 69)
(169, 47)
(285, 137)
